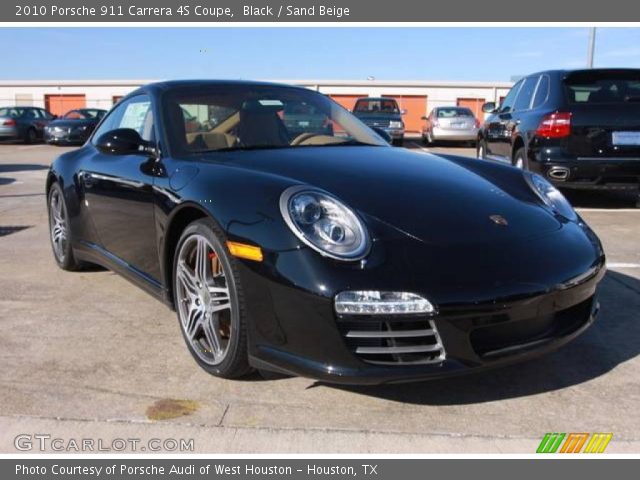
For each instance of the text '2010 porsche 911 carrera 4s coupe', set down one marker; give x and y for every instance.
(322, 253)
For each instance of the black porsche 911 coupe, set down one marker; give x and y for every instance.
(327, 253)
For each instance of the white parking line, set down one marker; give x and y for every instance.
(623, 265)
(420, 147)
(31, 147)
(610, 210)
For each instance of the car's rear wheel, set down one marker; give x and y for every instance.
(209, 301)
(481, 149)
(59, 232)
(427, 140)
(520, 159)
(31, 136)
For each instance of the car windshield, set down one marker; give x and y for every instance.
(376, 105)
(454, 112)
(74, 115)
(590, 87)
(247, 117)
(11, 112)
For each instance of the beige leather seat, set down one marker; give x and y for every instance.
(210, 140)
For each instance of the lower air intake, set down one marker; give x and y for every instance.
(392, 340)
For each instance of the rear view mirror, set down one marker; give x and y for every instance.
(403, 112)
(122, 141)
(423, 118)
(489, 107)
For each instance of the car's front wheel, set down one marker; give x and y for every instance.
(209, 301)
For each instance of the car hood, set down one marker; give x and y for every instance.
(427, 197)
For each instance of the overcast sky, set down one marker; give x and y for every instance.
(462, 53)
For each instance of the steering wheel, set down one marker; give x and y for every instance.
(304, 136)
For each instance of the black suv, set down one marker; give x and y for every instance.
(580, 129)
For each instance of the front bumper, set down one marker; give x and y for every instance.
(395, 133)
(71, 138)
(481, 321)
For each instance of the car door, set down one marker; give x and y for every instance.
(497, 136)
(518, 124)
(118, 190)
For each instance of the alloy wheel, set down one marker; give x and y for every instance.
(58, 225)
(203, 300)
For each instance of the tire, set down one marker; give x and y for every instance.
(481, 149)
(520, 159)
(213, 322)
(398, 142)
(31, 136)
(59, 232)
(426, 139)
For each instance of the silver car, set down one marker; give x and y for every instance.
(456, 124)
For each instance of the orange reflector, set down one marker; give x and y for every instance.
(242, 250)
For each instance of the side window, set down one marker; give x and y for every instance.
(542, 93)
(526, 93)
(133, 113)
(507, 103)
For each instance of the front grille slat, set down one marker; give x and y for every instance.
(392, 339)
(388, 350)
(390, 334)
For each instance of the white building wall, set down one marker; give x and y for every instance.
(99, 94)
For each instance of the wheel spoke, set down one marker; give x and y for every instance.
(193, 320)
(211, 333)
(187, 278)
(201, 260)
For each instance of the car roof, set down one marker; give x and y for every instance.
(565, 72)
(160, 87)
(376, 98)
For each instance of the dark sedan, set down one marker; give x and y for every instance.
(328, 254)
(74, 127)
(23, 123)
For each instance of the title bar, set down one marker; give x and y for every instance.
(285, 11)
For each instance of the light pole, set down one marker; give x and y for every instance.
(592, 46)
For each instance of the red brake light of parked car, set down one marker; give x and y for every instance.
(555, 125)
(9, 122)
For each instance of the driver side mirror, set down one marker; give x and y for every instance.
(123, 141)
(403, 112)
(489, 107)
(383, 133)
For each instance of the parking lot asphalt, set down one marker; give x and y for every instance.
(88, 355)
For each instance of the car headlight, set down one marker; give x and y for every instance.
(324, 223)
(395, 124)
(550, 195)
